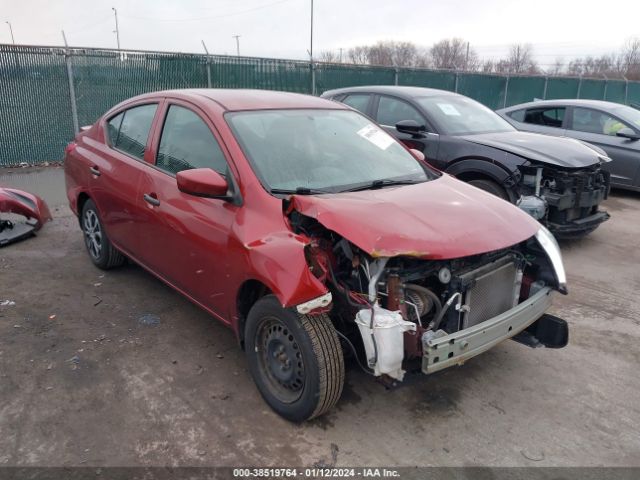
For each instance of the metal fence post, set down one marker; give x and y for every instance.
(395, 76)
(313, 77)
(506, 91)
(579, 86)
(546, 84)
(72, 92)
(626, 90)
(455, 85)
(208, 72)
(606, 82)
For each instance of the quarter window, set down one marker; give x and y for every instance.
(392, 111)
(593, 121)
(359, 101)
(187, 142)
(132, 129)
(113, 127)
(548, 117)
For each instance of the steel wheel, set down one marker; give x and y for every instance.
(281, 360)
(92, 234)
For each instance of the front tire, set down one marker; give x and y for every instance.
(295, 360)
(491, 187)
(102, 253)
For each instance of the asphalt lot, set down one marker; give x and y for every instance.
(116, 369)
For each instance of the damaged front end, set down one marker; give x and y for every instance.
(31, 207)
(421, 312)
(566, 200)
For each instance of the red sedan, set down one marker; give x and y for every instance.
(312, 233)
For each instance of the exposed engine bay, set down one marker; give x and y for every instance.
(566, 200)
(395, 307)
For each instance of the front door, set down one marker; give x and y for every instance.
(599, 128)
(184, 238)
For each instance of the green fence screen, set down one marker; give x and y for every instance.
(39, 113)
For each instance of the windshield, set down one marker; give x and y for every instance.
(322, 151)
(458, 115)
(629, 114)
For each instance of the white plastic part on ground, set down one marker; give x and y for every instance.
(388, 332)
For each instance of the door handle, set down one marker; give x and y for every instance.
(95, 171)
(151, 200)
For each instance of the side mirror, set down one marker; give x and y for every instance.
(411, 127)
(626, 132)
(202, 182)
(418, 155)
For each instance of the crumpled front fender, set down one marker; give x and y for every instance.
(25, 204)
(278, 261)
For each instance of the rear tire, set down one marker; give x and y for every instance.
(295, 360)
(102, 253)
(491, 187)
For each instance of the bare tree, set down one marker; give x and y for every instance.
(388, 53)
(359, 55)
(329, 57)
(630, 59)
(520, 59)
(557, 67)
(454, 54)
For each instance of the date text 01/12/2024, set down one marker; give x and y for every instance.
(316, 472)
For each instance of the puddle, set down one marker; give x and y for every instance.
(46, 182)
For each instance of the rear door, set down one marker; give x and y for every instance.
(599, 128)
(550, 120)
(183, 237)
(116, 172)
(389, 110)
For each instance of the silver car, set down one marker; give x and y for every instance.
(613, 127)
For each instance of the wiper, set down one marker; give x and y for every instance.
(379, 184)
(298, 191)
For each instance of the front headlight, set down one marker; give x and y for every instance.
(548, 242)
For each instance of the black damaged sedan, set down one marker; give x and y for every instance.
(559, 181)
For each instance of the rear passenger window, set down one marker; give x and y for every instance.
(133, 130)
(548, 117)
(392, 111)
(359, 101)
(188, 143)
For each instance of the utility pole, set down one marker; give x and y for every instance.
(237, 37)
(311, 43)
(466, 58)
(13, 40)
(117, 30)
(340, 54)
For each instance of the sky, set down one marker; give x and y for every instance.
(281, 28)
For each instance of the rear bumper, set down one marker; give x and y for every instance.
(456, 348)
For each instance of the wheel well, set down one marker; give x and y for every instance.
(248, 294)
(468, 176)
(82, 198)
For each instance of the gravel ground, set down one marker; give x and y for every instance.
(116, 369)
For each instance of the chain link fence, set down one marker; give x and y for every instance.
(46, 93)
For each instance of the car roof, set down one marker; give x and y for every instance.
(565, 101)
(406, 92)
(246, 99)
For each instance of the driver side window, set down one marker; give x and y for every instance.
(392, 110)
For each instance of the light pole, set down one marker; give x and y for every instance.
(311, 42)
(117, 30)
(13, 40)
(237, 37)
